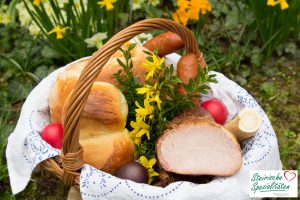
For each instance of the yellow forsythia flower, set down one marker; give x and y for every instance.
(151, 94)
(147, 89)
(144, 112)
(107, 3)
(148, 164)
(59, 31)
(140, 128)
(157, 100)
(153, 65)
(36, 2)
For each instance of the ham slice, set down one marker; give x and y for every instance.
(195, 145)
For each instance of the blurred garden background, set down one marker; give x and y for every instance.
(253, 42)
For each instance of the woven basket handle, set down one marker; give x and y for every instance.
(71, 151)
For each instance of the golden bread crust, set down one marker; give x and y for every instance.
(64, 84)
(67, 79)
(109, 151)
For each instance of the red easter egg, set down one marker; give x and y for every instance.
(53, 134)
(217, 110)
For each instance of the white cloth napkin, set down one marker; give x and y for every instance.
(26, 149)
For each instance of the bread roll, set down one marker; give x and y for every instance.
(112, 66)
(67, 79)
(102, 134)
(64, 84)
(108, 151)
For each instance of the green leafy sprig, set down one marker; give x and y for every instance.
(128, 82)
(172, 102)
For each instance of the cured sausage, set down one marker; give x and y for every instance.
(165, 43)
(187, 68)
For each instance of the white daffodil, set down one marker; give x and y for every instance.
(64, 15)
(34, 29)
(24, 17)
(4, 7)
(153, 2)
(61, 3)
(4, 18)
(144, 37)
(48, 9)
(96, 40)
(137, 4)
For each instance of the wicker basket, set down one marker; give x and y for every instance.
(67, 167)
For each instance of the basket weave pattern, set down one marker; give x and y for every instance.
(68, 167)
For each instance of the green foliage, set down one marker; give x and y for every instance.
(24, 61)
(128, 82)
(275, 25)
(83, 19)
(268, 89)
(247, 32)
(228, 36)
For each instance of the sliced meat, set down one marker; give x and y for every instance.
(194, 147)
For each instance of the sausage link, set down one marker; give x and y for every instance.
(187, 68)
(165, 43)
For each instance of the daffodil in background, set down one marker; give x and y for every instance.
(181, 16)
(153, 2)
(26, 20)
(190, 10)
(24, 16)
(107, 3)
(144, 37)
(283, 4)
(59, 31)
(137, 4)
(144, 4)
(148, 164)
(96, 40)
(34, 29)
(36, 2)
(4, 17)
